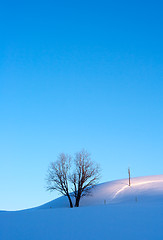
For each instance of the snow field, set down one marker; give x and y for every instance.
(115, 211)
(115, 222)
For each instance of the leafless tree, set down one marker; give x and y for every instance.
(58, 176)
(85, 177)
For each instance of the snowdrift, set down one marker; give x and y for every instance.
(134, 212)
(143, 190)
(109, 222)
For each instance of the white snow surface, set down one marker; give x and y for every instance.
(143, 190)
(134, 212)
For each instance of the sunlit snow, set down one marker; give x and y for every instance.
(115, 211)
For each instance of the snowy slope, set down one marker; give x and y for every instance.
(109, 222)
(142, 190)
(134, 212)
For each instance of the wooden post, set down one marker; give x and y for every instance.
(129, 179)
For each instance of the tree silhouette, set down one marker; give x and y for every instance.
(85, 177)
(58, 175)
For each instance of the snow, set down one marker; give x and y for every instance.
(134, 212)
(142, 190)
(100, 222)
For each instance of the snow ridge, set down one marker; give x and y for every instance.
(142, 190)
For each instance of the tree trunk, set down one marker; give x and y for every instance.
(70, 201)
(77, 201)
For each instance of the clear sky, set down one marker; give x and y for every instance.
(73, 75)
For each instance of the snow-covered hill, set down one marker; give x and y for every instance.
(110, 222)
(142, 190)
(134, 212)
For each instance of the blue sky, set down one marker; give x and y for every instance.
(73, 75)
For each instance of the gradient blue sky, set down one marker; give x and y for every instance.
(73, 75)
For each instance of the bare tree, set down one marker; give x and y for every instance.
(58, 176)
(85, 176)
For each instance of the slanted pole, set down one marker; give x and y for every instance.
(129, 178)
